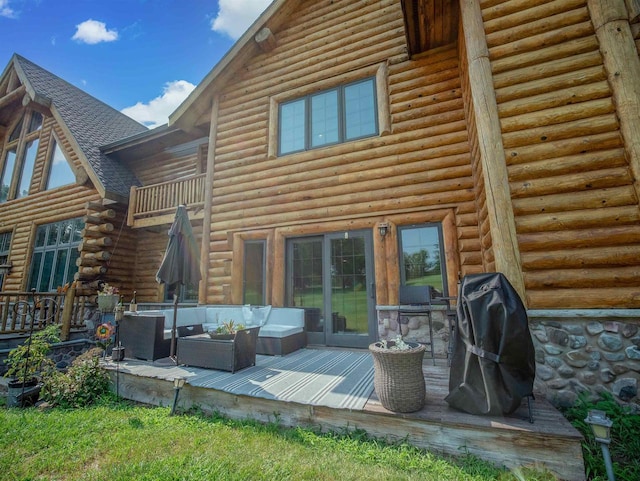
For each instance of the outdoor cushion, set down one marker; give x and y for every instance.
(275, 330)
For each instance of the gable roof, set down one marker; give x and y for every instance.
(89, 122)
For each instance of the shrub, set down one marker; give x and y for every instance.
(83, 384)
(29, 359)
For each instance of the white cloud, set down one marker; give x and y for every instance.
(235, 16)
(6, 10)
(157, 111)
(92, 32)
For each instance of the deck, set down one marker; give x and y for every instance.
(550, 441)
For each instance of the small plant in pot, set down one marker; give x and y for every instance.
(227, 330)
(26, 363)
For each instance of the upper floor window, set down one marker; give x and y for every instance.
(328, 117)
(422, 256)
(19, 157)
(60, 172)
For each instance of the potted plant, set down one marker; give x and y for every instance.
(25, 362)
(226, 330)
(108, 297)
(398, 379)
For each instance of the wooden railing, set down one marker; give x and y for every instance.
(161, 200)
(21, 312)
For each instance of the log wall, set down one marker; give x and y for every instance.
(577, 215)
(419, 171)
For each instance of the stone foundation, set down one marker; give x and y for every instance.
(576, 350)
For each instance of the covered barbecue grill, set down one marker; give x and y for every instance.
(493, 363)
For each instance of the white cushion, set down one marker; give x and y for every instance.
(272, 330)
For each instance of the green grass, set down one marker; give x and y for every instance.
(118, 441)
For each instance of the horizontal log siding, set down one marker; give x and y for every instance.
(150, 246)
(422, 164)
(576, 212)
(41, 207)
(164, 167)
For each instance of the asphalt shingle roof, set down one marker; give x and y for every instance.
(91, 122)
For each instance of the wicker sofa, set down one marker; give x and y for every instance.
(282, 329)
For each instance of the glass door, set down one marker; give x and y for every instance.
(350, 291)
(331, 277)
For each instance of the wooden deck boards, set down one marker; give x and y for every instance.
(550, 441)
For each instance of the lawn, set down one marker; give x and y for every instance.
(118, 441)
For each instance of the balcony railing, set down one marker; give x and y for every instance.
(156, 204)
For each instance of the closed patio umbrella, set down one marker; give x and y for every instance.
(181, 263)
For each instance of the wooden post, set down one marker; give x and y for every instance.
(208, 198)
(491, 150)
(67, 312)
(611, 22)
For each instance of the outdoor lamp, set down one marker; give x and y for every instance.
(601, 427)
(178, 383)
(383, 228)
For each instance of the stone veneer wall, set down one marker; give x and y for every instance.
(576, 351)
(593, 353)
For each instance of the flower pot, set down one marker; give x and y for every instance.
(21, 394)
(107, 303)
(398, 379)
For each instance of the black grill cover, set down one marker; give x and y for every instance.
(493, 363)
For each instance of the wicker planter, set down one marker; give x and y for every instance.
(398, 378)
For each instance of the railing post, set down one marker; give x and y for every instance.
(67, 312)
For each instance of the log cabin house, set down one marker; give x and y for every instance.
(343, 149)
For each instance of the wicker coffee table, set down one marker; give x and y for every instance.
(231, 354)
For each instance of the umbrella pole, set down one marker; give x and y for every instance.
(172, 355)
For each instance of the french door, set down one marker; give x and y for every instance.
(331, 277)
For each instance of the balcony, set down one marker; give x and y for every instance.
(156, 204)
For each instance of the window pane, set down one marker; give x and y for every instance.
(41, 235)
(66, 230)
(292, 119)
(60, 172)
(61, 266)
(36, 122)
(7, 173)
(254, 273)
(47, 267)
(324, 118)
(27, 168)
(35, 270)
(52, 238)
(421, 255)
(15, 134)
(5, 242)
(360, 110)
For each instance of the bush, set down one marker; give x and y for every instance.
(82, 385)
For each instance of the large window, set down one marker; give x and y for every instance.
(254, 273)
(332, 116)
(54, 254)
(19, 157)
(60, 172)
(422, 255)
(5, 244)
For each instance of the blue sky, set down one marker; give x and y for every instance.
(142, 57)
